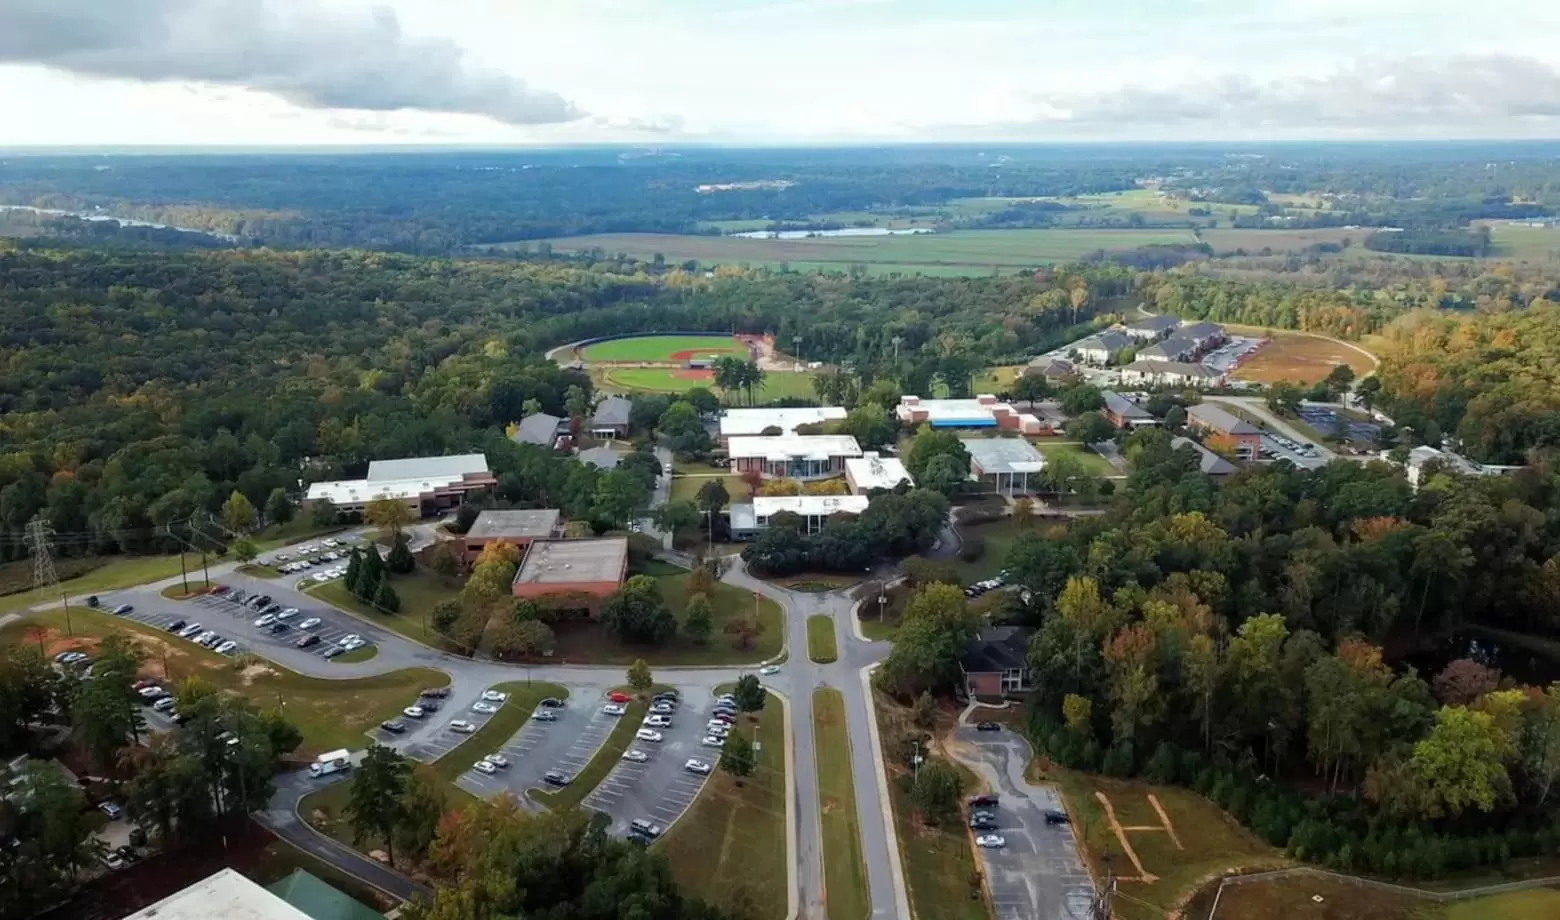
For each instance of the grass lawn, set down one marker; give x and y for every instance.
(844, 868)
(361, 653)
(1291, 898)
(118, 572)
(254, 570)
(330, 713)
(686, 488)
(419, 592)
(998, 379)
(939, 864)
(821, 646)
(606, 757)
(178, 592)
(1093, 464)
(1297, 357)
(296, 530)
(1213, 841)
(879, 632)
(523, 699)
(777, 384)
(586, 641)
(999, 537)
(730, 847)
(663, 348)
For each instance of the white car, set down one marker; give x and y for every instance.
(353, 644)
(647, 734)
(614, 709)
(635, 755)
(414, 712)
(462, 726)
(151, 693)
(484, 708)
(483, 766)
(991, 841)
(349, 638)
(164, 704)
(497, 760)
(697, 766)
(266, 620)
(657, 721)
(711, 741)
(287, 614)
(664, 709)
(495, 696)
(226, 648)
(310, 623)
(769, 669)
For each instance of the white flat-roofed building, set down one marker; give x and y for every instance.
(873, 471)
(1004, 464)
(748, 422)
(796, 456)
(814, 510)
(226, 895)
(984, 411)
(426, 484)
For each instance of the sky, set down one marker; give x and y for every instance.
(648, 72)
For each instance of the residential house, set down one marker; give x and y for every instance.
(996, 663)
(1206, 336)
(611, 418)
(1101, 349)
(1212, 419)
(1056, 370)
(1209, 462)
(1174, 349)
(540, 429)
(1124, 413)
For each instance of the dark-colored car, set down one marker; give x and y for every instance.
(123, 609)
(307, 641)
(92, 601)
(175, 626)
(428, 705)
(1052, 816)
(278, 626)
(436, 692)
(260, 601)
(552, 702)
(554, 778)
(983, 801)
(219, 589)
(987, 727)
(983, 823)
(393, 726)
(673, 695)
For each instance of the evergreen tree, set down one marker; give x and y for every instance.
(401, 560)
(385, 598)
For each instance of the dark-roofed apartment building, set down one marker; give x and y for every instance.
(1210, 463)
(1101, 349)
(1174, 349)
(996, 662)
(517, 527)
(1124, 413)
(1212, 419)
(611, 418)
(1152, 329)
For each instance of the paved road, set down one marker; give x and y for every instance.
(1037, 875)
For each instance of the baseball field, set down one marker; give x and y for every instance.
(676, 348)
(777, 384)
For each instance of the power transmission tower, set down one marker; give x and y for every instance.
(40, 542)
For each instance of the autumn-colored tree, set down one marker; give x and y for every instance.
(1078, 714)
(1132, 660)
(1023, 513)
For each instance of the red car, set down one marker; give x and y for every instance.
(618, 696)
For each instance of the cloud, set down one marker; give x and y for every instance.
(290, 49)
(1422, 92)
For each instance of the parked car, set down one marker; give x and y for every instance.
(484, 708)
(438, 692)
(648, 734)
(657, 721)
(175, 626)
(348, 639)
(1053, 816)
(413, 712)
(712, 741)
(544, 715)
(635, 755)
(554, 778)
(617, 696)
(495, 696)
(990, 841)
(613, 709)
(988, 727)
(226, 648)
(988, 800)
(483, 766)
(307, 641)
(265, 620)
(645, 828)
(393, 726)
(278, 627)
(332, 652)
(462, 726)
(551, 702)
(673, 694)
(287, 613)
(310, 623)
(697, 766)
(497, 760)
(113, 811)
(122, 609)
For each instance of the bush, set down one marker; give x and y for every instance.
(1119, 760)
(1163, 765)
(973, 547)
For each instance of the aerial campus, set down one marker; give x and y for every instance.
(779, 461)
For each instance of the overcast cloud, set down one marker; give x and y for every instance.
(301, 52)
(251, 72)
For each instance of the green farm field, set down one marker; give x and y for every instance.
(663, 348)
(967, 249)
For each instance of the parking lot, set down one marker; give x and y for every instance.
(1275, 449)
(1037, 873)
(224, 615)
(1228, 356)
(541, 746)
(660, 789)
(1325, 419)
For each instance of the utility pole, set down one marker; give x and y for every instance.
(40, 542)
(1101, 907)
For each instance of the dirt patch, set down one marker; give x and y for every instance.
(254, 672)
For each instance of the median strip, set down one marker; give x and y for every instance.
(844, 866)
(821, 646)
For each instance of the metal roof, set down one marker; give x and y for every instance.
(1220, 420)
(612, 412)
(540, 429)
(1004, 455)
(451, 467)
(1122, 407)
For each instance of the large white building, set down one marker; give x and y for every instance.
(748, 519)
(226, 895)
(426, 484)
(984, 411)
(796, 456)
(740, 422)
(873, 471)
